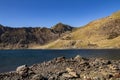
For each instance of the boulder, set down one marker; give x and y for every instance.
(71, 73)
(59, 59)
(22, 70)
(69, 69)
(78, 57)
(114, 67)
(74, 74)
(38, 77)
(66, 75)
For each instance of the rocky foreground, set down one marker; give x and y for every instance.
(60, 68)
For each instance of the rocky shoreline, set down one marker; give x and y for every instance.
(61, 68)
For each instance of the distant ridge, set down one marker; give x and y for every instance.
(102, 33)
(21, 38)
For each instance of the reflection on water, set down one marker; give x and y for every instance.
(10, 59)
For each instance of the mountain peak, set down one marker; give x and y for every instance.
(60, 27)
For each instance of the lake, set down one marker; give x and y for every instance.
(10, 59)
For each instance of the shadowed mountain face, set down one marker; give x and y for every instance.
(26, 37)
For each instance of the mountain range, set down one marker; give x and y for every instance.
(100, 33)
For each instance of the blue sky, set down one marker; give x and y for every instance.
(46, 13)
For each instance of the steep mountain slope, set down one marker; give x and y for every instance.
(16, 38)
(101, 33)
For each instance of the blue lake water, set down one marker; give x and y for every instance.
(10, 59)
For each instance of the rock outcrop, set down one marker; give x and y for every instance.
(60, 68)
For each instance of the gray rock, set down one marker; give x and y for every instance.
(78, 57)
(38, 77)
(66, 75)
(60, 59)
(69, 70)
(77, 68)
(22, 70)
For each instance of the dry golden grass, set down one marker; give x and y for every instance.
(90, 34)
(115, 15)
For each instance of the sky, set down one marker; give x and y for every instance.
(46, 13)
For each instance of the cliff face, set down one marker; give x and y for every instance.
(27, 37)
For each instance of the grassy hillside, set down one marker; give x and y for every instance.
(101, 33)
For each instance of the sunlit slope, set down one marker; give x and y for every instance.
(101, 33)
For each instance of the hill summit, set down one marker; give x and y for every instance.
(60, 27)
